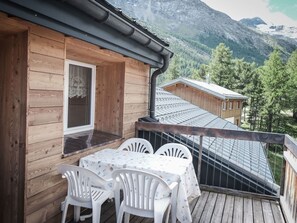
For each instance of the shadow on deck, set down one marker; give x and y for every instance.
(216, 207)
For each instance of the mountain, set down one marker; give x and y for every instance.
(277, 31)
(193, 29)
(253, 22)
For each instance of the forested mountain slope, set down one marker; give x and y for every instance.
(193, 29)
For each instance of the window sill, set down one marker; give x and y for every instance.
(80, 142)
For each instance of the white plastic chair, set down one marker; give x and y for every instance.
(137, 145)
(176, 150)
(85, 189)
(139, 195)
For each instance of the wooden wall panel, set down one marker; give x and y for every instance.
(46, 64)
(38, 98)
(109, 98)
(46, 132)
(45, 32)
(46, 81)
(136, 95)
(44, 149)
(46, 46)
(45, 115)
(13, 78)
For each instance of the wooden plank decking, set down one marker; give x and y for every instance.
(213, 207)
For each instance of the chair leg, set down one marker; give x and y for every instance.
(76, 213)
(127, 217)
(158, 217)
(167, 214)
(96, 213)
(64, 211)
(173, 212)
(120, 215)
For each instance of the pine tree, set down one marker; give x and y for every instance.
(221, 67)
(275, 84)
(291, 69)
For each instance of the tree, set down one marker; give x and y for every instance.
(291, 69)
(254, 90)
(175, 69)
(201, 73)
(275, 84)
(220, 67)
(247, 82)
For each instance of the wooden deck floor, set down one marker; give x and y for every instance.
(216, 208)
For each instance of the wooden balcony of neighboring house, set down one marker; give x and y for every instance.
(231, 191)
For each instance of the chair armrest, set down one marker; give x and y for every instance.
(173, 185)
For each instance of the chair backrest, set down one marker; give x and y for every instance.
(139, 187)
(80, 181)
(137, 145)
(176, 150)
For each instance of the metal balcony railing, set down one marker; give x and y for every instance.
(255, 162)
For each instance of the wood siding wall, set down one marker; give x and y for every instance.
(47, 51)
(109, 98)
(289, 198)
(13, 89)
(206, 101)
(136, 95)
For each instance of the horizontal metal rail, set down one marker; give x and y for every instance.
(274, 138)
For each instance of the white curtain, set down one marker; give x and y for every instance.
(78, 85)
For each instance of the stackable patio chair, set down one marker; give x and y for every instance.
(85, 189)
(139, 195)
(176, 150)
(137, 145)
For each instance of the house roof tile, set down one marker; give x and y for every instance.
(210, 88)
(248, 156)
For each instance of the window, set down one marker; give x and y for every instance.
(230, 105)
(79, 97)
(238, 105)
(224, 105)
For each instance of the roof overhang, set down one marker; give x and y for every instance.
(201, 88)
(78, 18)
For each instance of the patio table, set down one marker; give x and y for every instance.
(168, 168)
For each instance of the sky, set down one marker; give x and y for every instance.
(277, 12)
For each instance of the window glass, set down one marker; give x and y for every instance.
(79, 99)
(79, 96)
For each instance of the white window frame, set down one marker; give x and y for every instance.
(66, 90)
(238, 105)
(230, 105)
(224, 105)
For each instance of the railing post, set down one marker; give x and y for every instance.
(283, 176)
(200, 158)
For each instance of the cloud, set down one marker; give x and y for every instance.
(238, 9)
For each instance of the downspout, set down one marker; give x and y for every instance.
(156, 73)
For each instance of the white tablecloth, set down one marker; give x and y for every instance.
(168, 168)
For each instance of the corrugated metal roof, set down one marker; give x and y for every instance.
(248, 156)
(210, 88)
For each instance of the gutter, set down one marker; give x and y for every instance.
(123, 24)
(156, 73)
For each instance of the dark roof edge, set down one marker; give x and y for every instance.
(105, 13)
(72, 21)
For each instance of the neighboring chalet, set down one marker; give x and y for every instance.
(218, 100)
(236, 164)
(75, 77)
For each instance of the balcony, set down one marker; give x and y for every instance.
(257, 185)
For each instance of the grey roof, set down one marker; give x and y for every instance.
(210, 88)
(248, 156)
